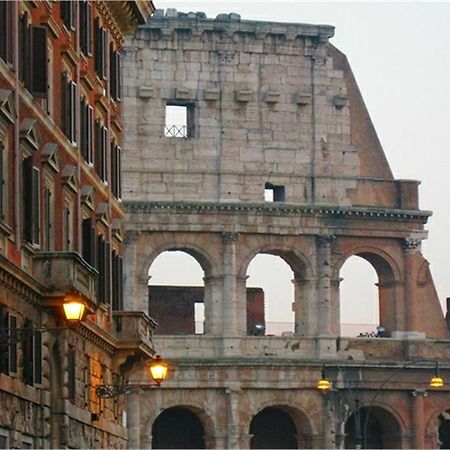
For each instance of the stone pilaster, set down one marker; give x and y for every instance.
(417, 418)
(323, 245)
(411, 247)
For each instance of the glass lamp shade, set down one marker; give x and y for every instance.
(436, 381)
(323, 385)
(158, 369)
(74, 308)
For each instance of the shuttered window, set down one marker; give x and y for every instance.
(24, 50)
(6, 31)
(3, 182)
(48, 219)
(86, 125)
(86, 28)
(67, 13)
(37, 358)
(114, 77)
(101, 40)
(104, 270)
(68, 95)
(27, 353)
(39, 61)
(67, 227)
(88, 242)
(116, 171)
(117, 284)
(71, 373)
(31, 203)
(101, 137)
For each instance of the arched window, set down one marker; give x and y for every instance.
(176, 293)
(269, 308)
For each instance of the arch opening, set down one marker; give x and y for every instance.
(270, 296)
(367, 296)
(177, 292)
(372, 427)
(444, 429)
(178, 428)
(273, 428)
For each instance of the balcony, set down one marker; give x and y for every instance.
(62, 272)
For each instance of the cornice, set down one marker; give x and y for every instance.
(275, 209)
(123, 17)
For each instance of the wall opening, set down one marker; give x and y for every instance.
(444, 430)
(179, 120)
(271, 307)
(177, 428)
(176, 293)
(359, 299)
(273, 428)
(274, 193)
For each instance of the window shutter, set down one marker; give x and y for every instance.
(27, 353)
(13, 347)
(24, 50)
(98, 39)
(48, 218)
(3, 169)
(118, 76)
(82, 29)
(112, 72)
(120, 282)
(90, 126)
(107, 273)
(37, 354)
(104, 154)
(83, 128)
(87, 235)
(114, 293)
(67, 13)
(4, 334)
(3, 32)
(98, 146)
(113, 168)
(119, 172)
(104, 50)
(39, 61)
(27, 191)
(88, 29)
(71, 112)
(35, 206)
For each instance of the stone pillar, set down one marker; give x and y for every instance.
(233, 437)
(417, 418)
(323, 246)
(229, 300)
(241, 304)
(213, 312)
(135, 290)
(134, 421)
(335, 296)
(410, 247)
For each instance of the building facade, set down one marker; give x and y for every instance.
(274, 153)
(61, 223)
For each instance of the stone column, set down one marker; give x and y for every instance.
(417, 418)
(323, 246)
(410, 247)
(229, 292)
(135, 290)
(213, 312)
(134, 421)
(233, 419)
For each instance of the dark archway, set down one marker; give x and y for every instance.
(444, 430)
(378, 429)
(178, 428)
(273, 428)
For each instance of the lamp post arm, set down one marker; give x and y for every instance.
(115, 390)
(11, 336)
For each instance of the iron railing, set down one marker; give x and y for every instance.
(178, 131)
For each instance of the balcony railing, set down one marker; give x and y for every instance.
(177, 131)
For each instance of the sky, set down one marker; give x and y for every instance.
(400, 56)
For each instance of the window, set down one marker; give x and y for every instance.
(117, 287)
(33, 57)
(68, 95)
(30, 203)
(48, 218)
(116, 170)
(67, 13)
(86, 125)
(8, 355)
(104, 269)
(6, 31)
(179, 121)
(100, 163)
(4, 438)
(86, 28)
(88, 242)
(274, 193)
(67, 227)
(101, 42)
(3, 180)
(27, 353)
(114, 77)
(71, 374)
(27, 441)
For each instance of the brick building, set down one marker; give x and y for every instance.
(61, 222)
(274, 153)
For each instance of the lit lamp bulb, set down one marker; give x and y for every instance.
(158, 369)
(73, 308)
(436, 381)
(323, 384)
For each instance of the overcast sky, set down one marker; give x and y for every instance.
(400, 55)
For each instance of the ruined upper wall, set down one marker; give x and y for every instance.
(267, 105)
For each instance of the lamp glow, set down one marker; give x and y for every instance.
(436, 381)
(158, 370)
(74, 308)
(323, 385)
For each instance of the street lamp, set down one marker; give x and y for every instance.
(158, 370)
(73, 307)
(324, 385)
